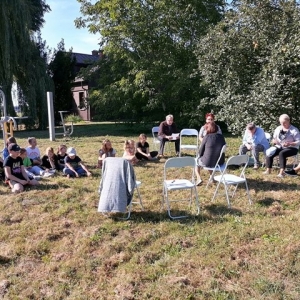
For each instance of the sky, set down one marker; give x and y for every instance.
(59, 24)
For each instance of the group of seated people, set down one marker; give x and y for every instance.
(286, 141)
(25, 167)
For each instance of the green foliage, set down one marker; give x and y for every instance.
(23, 56)
(250, 63)
(149, 56)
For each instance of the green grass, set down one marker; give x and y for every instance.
(55, 245)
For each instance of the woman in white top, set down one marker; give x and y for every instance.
(209, 117)
(286, 139)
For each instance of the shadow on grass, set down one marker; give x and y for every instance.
(221, 210)
(268, 202)
(260, 185)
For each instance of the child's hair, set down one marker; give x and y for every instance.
(61, 146)
(128, 143)
(104, 145)
(22, 151)
(49, 149)
(143, 135)
(11, 140)
(30, 139)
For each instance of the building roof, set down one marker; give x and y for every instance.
(85, 58)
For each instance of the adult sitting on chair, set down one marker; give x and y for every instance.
(210, 149)
(166, 129)
(209, 117)
(255, 141)
(286, 139)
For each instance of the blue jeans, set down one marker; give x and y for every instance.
(79, 170)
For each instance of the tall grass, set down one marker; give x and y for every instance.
(54, 244)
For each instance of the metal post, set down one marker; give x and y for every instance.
(51, 116)
(2, 95)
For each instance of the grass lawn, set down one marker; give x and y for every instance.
(55, 245)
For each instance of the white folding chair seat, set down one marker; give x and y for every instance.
(191, 133)
(228, 179)
(217, 167)
(180, 163)
(117, 187)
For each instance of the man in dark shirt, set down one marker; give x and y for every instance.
(166, 129)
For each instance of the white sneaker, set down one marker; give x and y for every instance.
(37, 177)
(47, 174)
(199, 182)
(52, 171)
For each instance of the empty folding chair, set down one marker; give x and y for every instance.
(193, 142)
(178, 182)
(227, 179)
(156, 141)
(117, 186)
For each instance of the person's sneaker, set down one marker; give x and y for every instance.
(281, 175)
(291, 173)
(255, 167)
(47, 174)
(37, 177)
(52, 171)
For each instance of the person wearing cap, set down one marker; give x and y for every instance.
(74, 166)
(255, 141)
(209, 117)
(15, 171)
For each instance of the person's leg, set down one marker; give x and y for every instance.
(197, 171)
(243, 150)
(36, 170)
(255, 152)
(68, 172)
(162, 145)
(269, 161)
(153, 153)
(140, 156)
(80, 171)
(16, 187)
(177, 144)
(283, 155)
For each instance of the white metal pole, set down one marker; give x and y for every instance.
(2, 95)
(51, 116)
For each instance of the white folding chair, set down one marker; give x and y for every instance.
(228, 179)
(117, 187)
(217, 167)
(156, 141)
(179, 183)
(191, 133)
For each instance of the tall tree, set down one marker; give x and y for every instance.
(250, 62)
(62, 72)
(21, 55)
(153, 41)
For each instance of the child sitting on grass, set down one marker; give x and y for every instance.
(50, 161)
(74, 167)
(142, 149)
(33, 172)
(106, 151)
(33, 152)
(129, 152)
(15, 172)
(61, 154)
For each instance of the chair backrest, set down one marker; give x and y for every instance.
(217, 166)
(268, 136)
(180, 162)
(238, 160)
(187, 131)
(155, 130)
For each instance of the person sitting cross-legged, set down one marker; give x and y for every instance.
(255, 141)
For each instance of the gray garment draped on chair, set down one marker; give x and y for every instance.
(117, 185)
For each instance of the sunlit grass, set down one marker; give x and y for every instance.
(54, 244)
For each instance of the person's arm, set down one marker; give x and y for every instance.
(10, 176)
(201, 131)
(161, 132)
(245, 137)
(85, 169)
(296, 136)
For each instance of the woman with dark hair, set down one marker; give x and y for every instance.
(209, 117)
(210, 149)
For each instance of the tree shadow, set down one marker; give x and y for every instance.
(221, 210)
